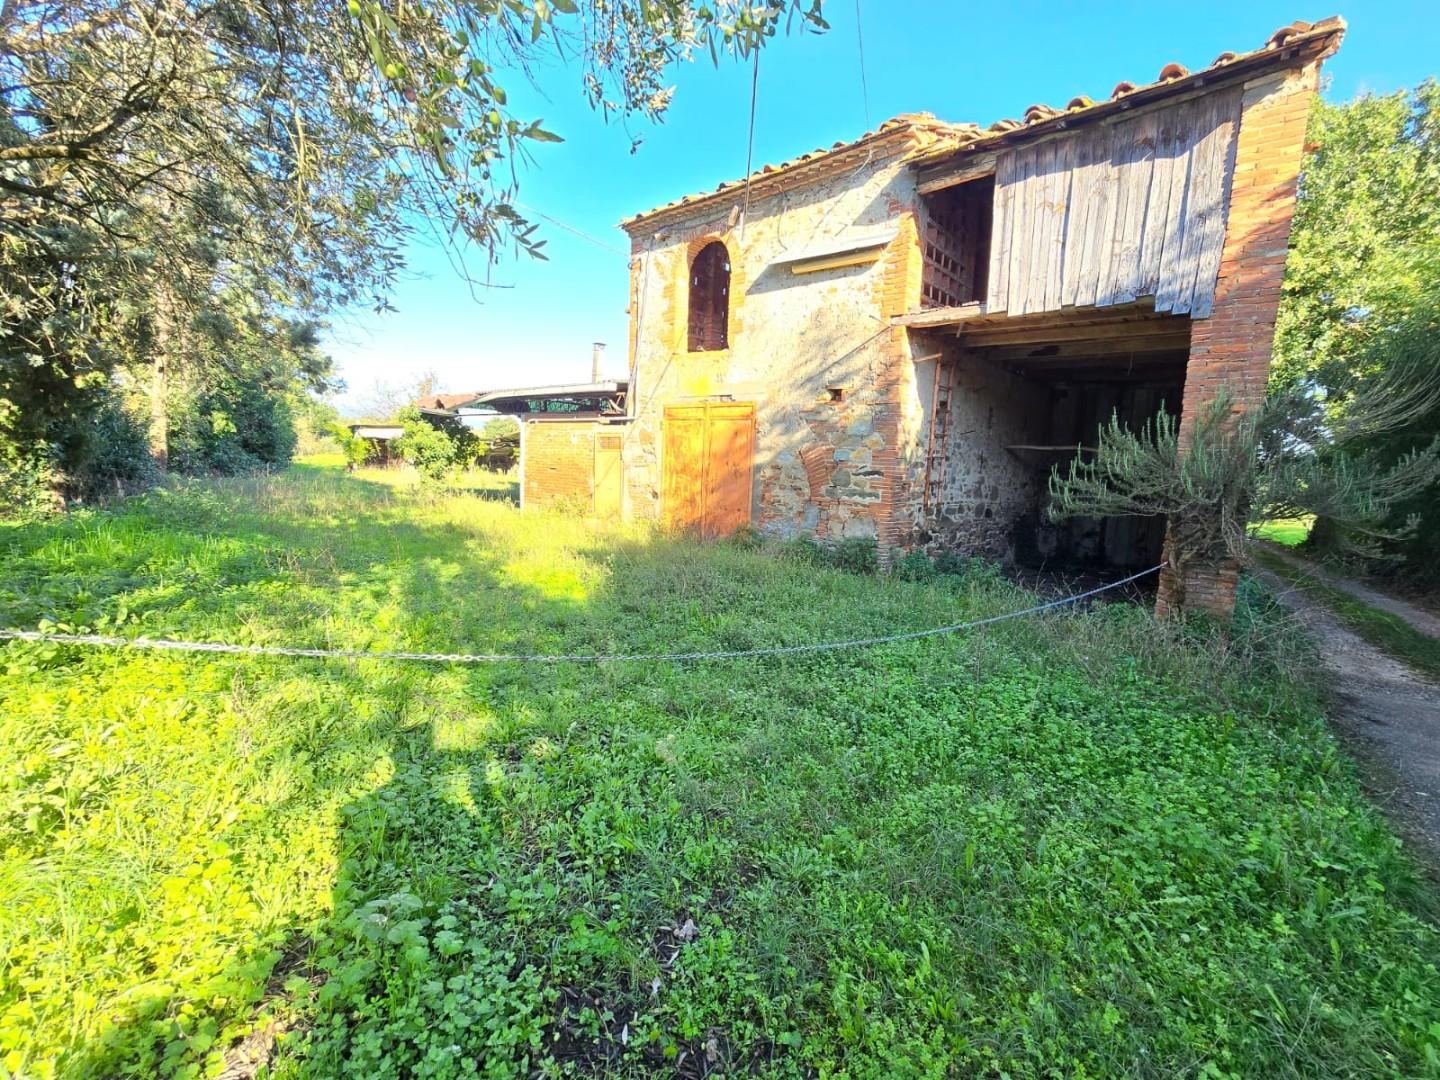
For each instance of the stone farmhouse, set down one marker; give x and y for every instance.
(899, 336)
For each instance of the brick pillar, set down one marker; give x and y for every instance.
(1231, 348)
(900, 292)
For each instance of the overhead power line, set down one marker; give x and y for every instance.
(864, 86)
(571, 228)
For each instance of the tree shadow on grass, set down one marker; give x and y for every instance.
(351, 739)
(483, 820)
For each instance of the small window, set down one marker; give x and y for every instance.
(710, 298)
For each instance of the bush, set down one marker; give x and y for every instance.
(111, 456)
(912, 566)
(355, 449)
(432, 451)
(858, 555)
(27, 481)
(972, 568)
(232, 429)
(103, 453)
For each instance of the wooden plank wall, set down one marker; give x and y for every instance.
(1117, 212)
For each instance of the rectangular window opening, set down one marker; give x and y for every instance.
(955, 242)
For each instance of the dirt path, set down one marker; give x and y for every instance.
(1387, 715)
(1424, 621)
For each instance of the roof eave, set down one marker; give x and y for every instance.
(788, 174)
(1311, 45)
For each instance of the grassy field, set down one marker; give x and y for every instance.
(1382, 629)
(1292, 532)
(1070, 846)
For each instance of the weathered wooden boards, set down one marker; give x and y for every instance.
(1117, 212)
(707, 464)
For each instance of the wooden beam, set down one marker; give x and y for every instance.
(974, 168)
(1156, 376)
(940, 316)
(1067, 316)
(1116, 330)
(837, 262)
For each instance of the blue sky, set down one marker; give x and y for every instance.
(962, 61)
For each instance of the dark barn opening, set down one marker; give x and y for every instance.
(710, 299)
(1014, 398)
(956, 243)
(1078, 406)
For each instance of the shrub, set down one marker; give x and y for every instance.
(913, 566)
(435, 446)
(355, 449)
(27, 481)
(113, 456)
(747, 537)
(856, 554)
(232, 429)
(970, 568)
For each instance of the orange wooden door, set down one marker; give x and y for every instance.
(709, 462)
(609, 477)
(729, 464)
(682, 473)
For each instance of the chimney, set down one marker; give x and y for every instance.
(597, 357)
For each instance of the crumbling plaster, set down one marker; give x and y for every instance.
(838, 412)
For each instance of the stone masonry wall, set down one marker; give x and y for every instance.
(1231, 349)
(986, 487)
(836, 407)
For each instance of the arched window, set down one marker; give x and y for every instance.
(710, 298)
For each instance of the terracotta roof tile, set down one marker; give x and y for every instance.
(942, 138)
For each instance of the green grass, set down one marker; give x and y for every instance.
(1383, 629)
(1292, 532)
(1074, 845)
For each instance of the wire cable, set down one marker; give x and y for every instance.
(112, 641)
(750, 141)
(864, 86)
(578, 232)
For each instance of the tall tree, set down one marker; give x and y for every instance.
(1366, 237)
(1362, 286)
(153, 154)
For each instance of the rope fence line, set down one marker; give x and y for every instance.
(114, 641)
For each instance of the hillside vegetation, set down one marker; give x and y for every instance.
(1064, 846)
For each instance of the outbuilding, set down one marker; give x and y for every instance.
(898, 336)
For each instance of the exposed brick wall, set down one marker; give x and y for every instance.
(900, 292)
(559, 461)
(1208, 588)
(1231, 349)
